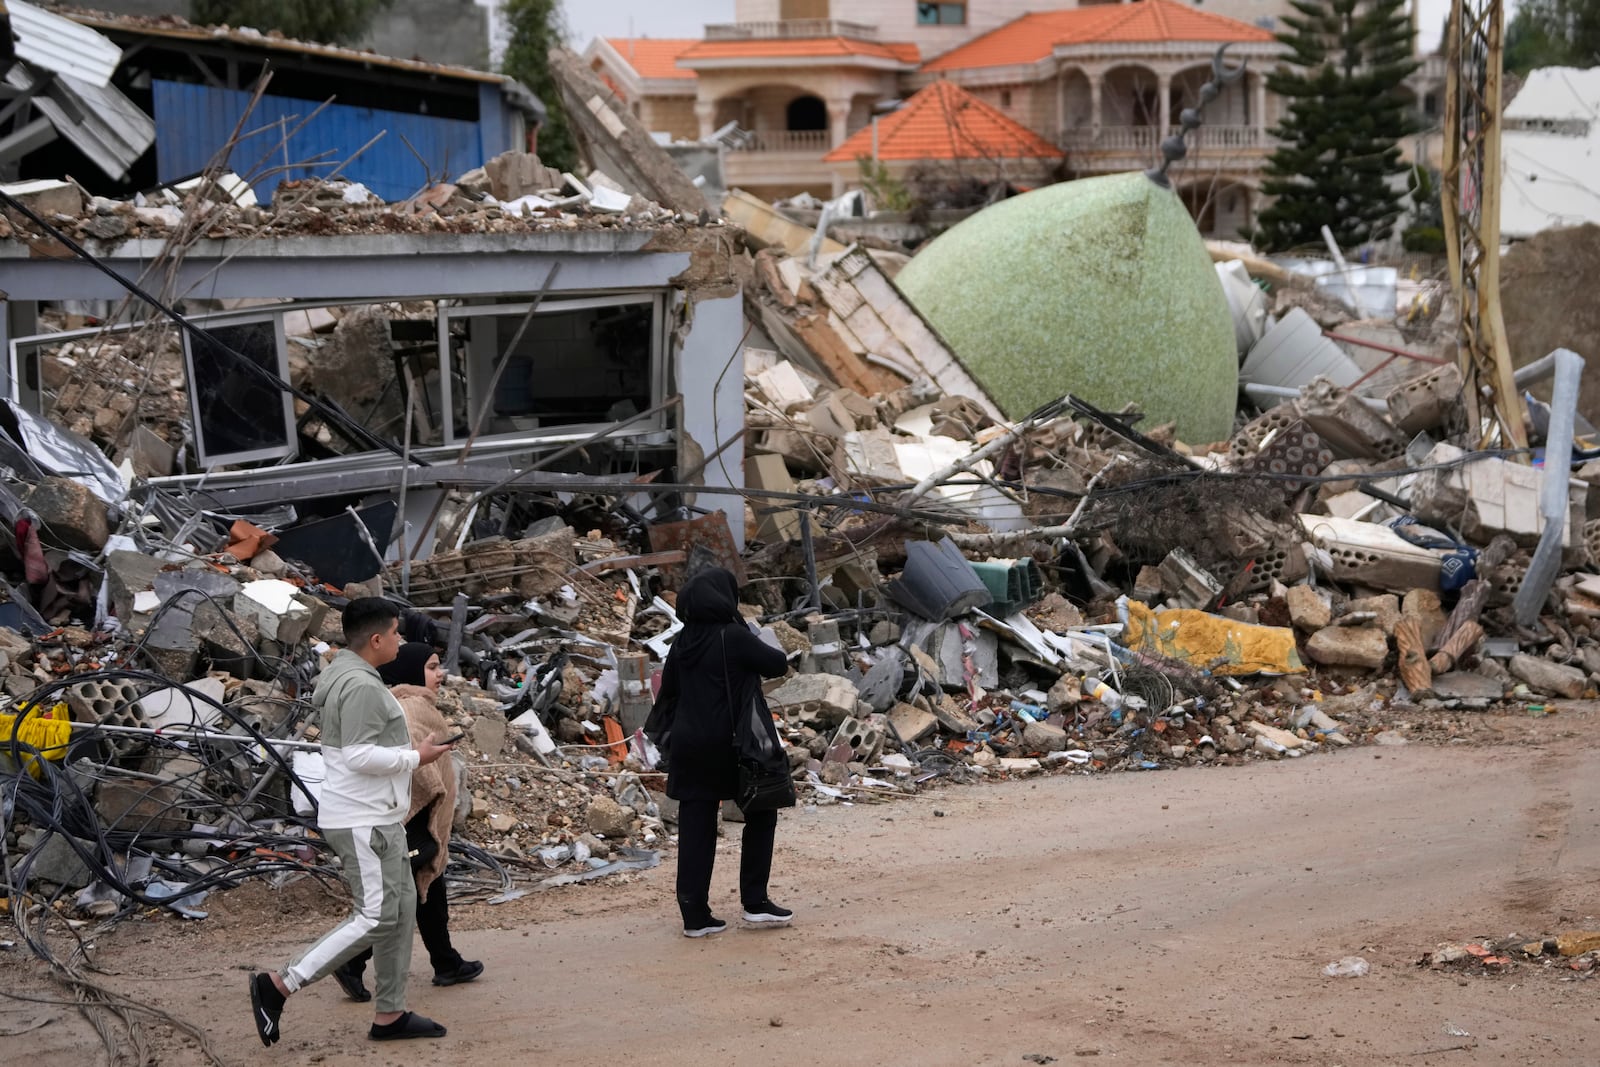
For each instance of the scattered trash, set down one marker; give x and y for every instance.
(1348, 967)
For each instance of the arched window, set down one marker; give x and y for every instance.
(806, 113)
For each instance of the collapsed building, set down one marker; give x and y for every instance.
(520, 336)
(1041, 535)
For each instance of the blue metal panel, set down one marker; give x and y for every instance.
(193, 122)
(494, 122)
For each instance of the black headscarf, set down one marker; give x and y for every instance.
(706, 603)
(711, 596)
(408, 667)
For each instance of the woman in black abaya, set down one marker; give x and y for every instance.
(714, 668)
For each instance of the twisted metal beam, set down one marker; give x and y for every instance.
(1175, 148)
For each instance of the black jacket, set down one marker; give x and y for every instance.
(715, 665)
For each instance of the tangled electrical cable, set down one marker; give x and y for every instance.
(58, 804)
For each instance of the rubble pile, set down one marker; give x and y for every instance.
(1571, 950)
(124, 392)
(963, 592)
(513, 193)
(171, 750)
(1540, 281)
(981, 565)
(1345, 538)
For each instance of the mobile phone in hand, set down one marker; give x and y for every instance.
(453, 740)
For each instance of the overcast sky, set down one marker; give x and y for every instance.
(587, 19)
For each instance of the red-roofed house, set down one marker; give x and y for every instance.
(1100, 82)
(945, 124)
(1108, 82)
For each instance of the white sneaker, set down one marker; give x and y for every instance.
(768, 914)
(706, 929)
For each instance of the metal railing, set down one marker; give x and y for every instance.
(817, 141)
(789, 28)
(1433, 68)
(1146, 138)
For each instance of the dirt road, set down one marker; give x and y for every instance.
(1164, 918)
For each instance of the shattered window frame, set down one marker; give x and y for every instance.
(655, 298)
(203, 455)
(34, 397)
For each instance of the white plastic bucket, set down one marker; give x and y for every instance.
(1293, 352)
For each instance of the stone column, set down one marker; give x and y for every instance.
(1163, 105)
(705, 111)
(1258, 107)
(838, 120)
(1097, 80)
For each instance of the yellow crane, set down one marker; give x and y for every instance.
(1470, 196)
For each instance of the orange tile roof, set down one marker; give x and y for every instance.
(1033, 37)
(944, 121)
(652, 57)
(803, 48)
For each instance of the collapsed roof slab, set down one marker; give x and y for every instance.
(370, 267)
(689, 264)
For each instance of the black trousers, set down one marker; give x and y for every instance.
(697, 853)
(433, 923)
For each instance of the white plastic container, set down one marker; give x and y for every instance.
(1247, 303)
(1368, 291)
(1293, 352)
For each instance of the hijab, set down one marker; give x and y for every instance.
(407, 668)
(706, 603)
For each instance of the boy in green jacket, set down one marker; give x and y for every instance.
(368, 758)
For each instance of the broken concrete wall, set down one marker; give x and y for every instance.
(884, 323)
(355, 367)
(618, 143)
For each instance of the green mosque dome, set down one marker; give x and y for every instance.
(1101, 288)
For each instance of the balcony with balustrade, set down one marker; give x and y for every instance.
(778, 159)
(811, 142)
(775, 130)
(1110, 149)
(790, 29)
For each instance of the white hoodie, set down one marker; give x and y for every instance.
(366, 747)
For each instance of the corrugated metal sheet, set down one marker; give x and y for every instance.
(250, 38)
(194, 121)
(53, 43)
(98, 120)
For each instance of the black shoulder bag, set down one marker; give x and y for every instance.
(764, 780)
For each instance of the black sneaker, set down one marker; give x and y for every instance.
(767, 913)
(349, 980)
(267, 1008)
(465, 971)
(711, 925)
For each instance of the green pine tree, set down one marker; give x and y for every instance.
(305, 20)
(1340, 150)
(1553, 33)
(536, 27)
